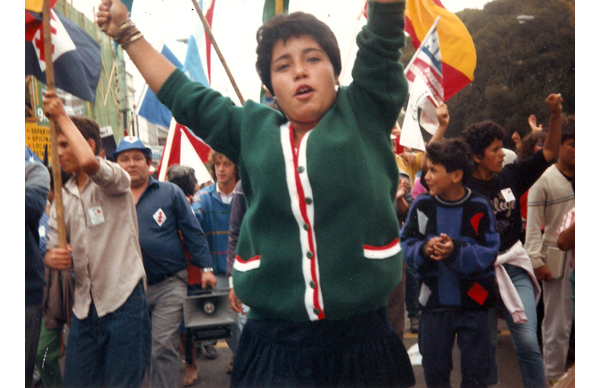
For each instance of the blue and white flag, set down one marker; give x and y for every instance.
(152, 109)
(192, 66)
(75, 55)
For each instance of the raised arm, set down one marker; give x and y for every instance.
(113, 18)
(81, 148)
(552, 143)
(441, 112)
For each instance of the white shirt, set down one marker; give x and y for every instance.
(225, 198)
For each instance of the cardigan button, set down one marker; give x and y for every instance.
(309, 254)
(300, 169)
(316, 311)
(313, 285)
(306, 227)
(308, 200)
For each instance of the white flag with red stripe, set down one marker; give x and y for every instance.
(427, 64)
(184, 148)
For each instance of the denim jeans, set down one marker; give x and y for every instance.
(111, 351)
(524, 335)
(437, 333)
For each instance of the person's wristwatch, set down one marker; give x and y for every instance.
(207, 269)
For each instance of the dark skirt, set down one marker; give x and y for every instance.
(362, 351)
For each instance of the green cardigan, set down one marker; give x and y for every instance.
(320, 236)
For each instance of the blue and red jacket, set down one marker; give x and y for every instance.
(213, 215)
(465, 279)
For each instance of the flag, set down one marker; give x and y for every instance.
(427, 64)
(274, 7)
(183, 147)
(75, 55)
(270, 9)
(420, 99)
(36, 5)
(455, 42)
(209, 18)
(192, 66)
(152, 109)
(32, 156)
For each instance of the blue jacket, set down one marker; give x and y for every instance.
(213, 216)
(37, 187)
(163, 212)
(465, 279)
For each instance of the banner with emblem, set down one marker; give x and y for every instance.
(76, 56)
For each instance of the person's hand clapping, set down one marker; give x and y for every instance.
(439, 248)
(533, 124)
(403, 187)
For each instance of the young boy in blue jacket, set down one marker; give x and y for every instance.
(450, 239)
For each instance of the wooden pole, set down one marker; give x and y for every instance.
(214, 43)
(58, 204)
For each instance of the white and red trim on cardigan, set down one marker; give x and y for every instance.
(299, 190)
(246, 265)
(383, 252)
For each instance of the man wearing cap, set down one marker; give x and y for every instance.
(163, 214)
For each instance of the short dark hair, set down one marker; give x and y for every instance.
(89, 129)
(296, 24)
(568, 129)
(454, 154)
(184, 177)
(480, 135)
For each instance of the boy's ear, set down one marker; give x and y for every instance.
(456, 176)
(477, 158)
(92, 144)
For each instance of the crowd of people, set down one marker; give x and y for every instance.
(323, 234)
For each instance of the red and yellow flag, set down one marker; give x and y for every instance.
(456, 45)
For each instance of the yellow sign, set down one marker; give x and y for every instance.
(36, 138)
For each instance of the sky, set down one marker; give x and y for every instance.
(234, 27)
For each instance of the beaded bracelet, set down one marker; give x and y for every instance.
(127, 33)
(132, 39)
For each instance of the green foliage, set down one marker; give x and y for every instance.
(518, 64)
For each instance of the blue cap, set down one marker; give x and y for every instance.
(131, 143)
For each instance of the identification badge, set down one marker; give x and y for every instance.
(508, 195)
(96, 215)
(160, 217)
